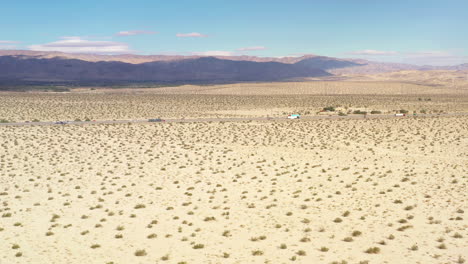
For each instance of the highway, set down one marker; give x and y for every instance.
(229, 119)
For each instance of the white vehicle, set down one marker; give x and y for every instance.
(399, 114)
(294, 116)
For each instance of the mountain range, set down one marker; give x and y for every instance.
(22, 67)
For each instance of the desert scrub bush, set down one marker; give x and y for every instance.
(257, 252)
(140, 206)
(356, 233)
(372, 250)
(403, 228)
(283, 246)
(359, 112)
(301, 253)
(227, 233)
(198, 246)
(49, 233)
(324, 249)
(151, 236)
(414, 247)
(140, 253)
(94, 246)
(442, 246)
(460, 260)
(258, 238)
(376, 112)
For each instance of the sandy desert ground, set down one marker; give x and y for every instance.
(320, 191)
(231, 100)
(438, 78)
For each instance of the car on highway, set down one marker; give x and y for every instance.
(156, 120)
(61, 122)
(294, 116)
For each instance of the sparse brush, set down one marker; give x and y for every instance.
(198, 246)
(140, 253)
(372, 250)
(257, 253)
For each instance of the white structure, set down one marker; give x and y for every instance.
(294, 116)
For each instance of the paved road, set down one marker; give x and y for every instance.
(233, 119)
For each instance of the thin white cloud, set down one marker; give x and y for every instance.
(371, 52)
(432, 53)
(214, 53)
(80, 45)
(9, 42)
(191, 35)
(135, 32)
(254, 48)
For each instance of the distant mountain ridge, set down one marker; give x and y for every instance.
(137, 59)
(18, 66)
(204, 69)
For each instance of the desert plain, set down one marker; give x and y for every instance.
(390, 190)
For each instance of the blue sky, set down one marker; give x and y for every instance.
(420, 32)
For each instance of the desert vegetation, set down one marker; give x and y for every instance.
(233, 100)
(319, 191)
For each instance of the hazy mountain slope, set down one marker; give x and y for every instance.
(326, 63)
(137, 59)
(372, 67)
(20, 67)
(206, 69)
(447, 78)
